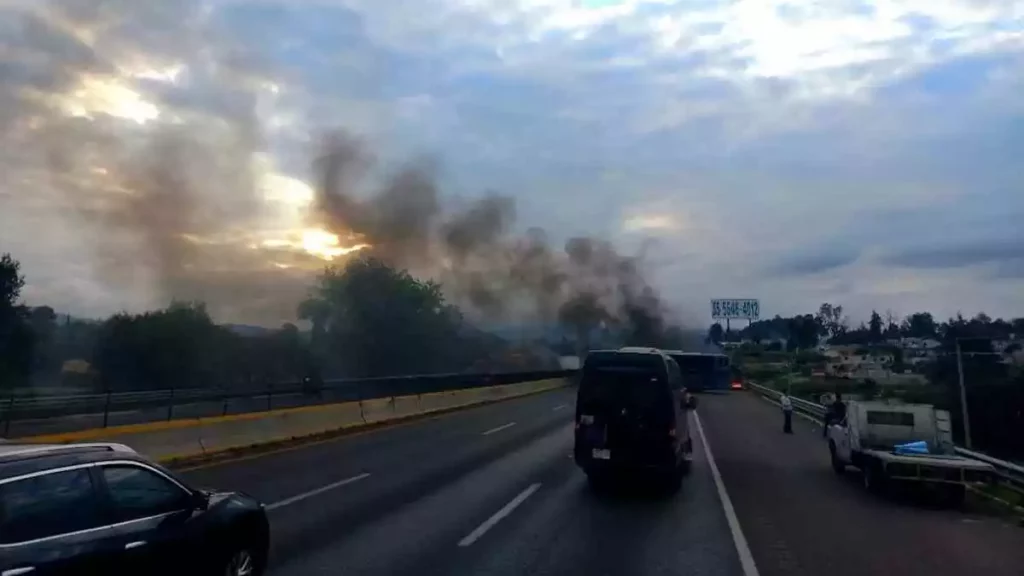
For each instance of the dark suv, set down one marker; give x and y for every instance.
(104, 509)
(631, 416)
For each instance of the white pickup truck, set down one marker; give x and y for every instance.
(868, 436)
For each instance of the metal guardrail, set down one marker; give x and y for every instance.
(16, 409)
(1010, 475)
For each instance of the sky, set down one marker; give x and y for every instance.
(859, 152)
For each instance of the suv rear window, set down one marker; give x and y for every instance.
(48, 505)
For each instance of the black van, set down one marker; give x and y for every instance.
(631, 416)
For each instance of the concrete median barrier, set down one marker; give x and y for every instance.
(378, 410)
(199, 437)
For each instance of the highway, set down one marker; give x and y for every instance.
(493, 490)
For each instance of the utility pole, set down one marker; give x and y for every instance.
(963, 388)
(963, 396)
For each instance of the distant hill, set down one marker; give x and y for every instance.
(514, 332)
(248, 330)
(693, 340)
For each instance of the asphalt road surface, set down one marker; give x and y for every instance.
(801, 519)
(494, 490)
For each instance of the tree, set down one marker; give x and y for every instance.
(11, 281)
(172, 348)
(868, 389)
(831, 319)
(875, 327)
(16, 341)
(43, 321)
(920, 325)
(803, 332)
(716, 333)
(381, 321)
(1001, 329)
(1018, 327)
(317, 312)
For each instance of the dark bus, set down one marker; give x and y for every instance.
(703, 371)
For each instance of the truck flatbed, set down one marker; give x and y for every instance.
(947, 460)
(929, 468)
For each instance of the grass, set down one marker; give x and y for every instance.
(999, 499)
(1007, 494)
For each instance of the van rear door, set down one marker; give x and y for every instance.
(625, 412)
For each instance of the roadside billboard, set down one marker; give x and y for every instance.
(736, 308)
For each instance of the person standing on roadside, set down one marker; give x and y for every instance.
(787, 413)
(835, 413)
(838, 409)
(829, 409)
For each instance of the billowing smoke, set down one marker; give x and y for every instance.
(135, 142)
(131, 151)
(487, 268)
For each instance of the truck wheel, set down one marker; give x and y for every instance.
(953, 495)
(874, 479)
(837, 465)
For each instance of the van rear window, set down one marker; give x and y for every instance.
(621, 385)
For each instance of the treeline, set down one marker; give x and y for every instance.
(830, 325)
(368, 320)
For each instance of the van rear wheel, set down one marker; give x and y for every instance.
(674, 478)
(598, 482)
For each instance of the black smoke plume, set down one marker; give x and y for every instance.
(494, 273)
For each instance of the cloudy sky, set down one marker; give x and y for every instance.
(862, 152)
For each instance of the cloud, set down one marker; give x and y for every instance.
(863, 151)
(958, 256)
(816, 261)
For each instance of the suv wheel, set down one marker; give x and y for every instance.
(243, 561)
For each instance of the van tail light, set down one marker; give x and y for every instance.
(586, 419)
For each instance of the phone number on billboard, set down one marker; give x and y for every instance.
(749, 309)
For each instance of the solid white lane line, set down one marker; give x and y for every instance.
(559, 407)
(499, 428)
(742, 549)
(320, 490)
(498, 516)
